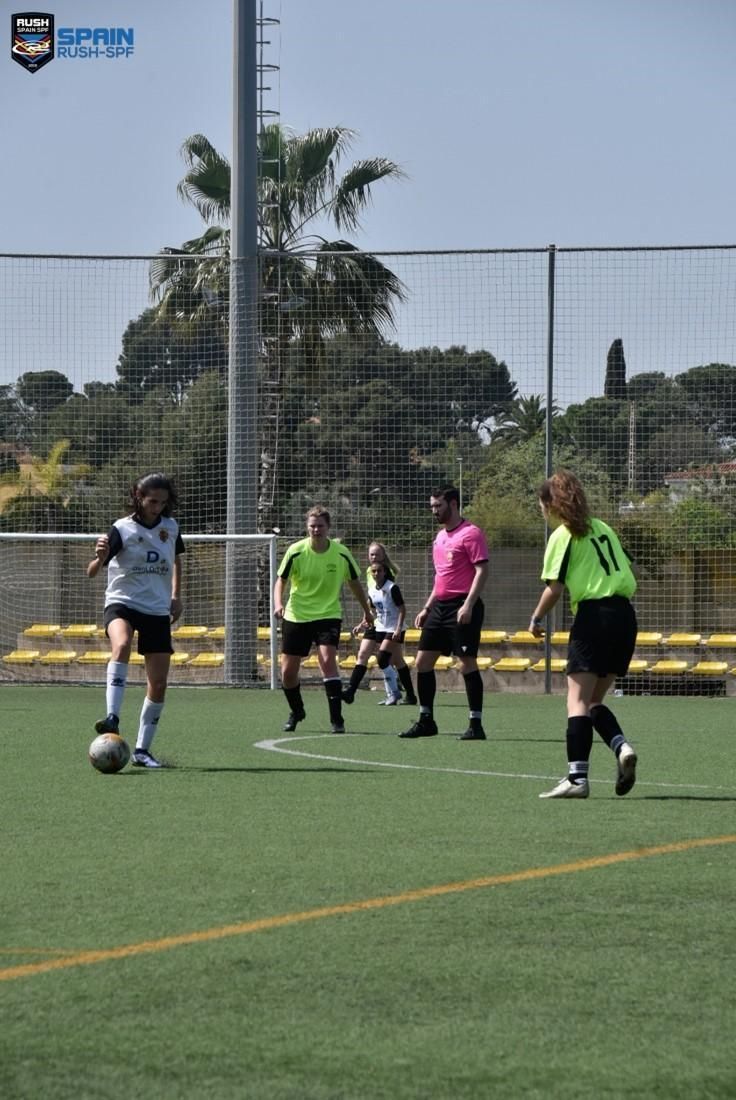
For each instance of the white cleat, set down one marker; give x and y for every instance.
(567, 789)
(626, 769)
(143, 759)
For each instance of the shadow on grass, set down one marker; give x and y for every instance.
(687, 797)
(213, 769)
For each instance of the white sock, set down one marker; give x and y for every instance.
(117, 675)
(391, 681)
(150, 714)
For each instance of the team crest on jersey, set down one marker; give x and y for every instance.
(449, 557)
(32, 36)
(163, 535)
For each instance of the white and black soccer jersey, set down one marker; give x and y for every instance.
(386, 600)
(140, 564)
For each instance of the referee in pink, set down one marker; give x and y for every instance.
(452, 617)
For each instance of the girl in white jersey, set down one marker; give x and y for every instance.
(142, 553)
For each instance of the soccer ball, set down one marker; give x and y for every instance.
(109, 753)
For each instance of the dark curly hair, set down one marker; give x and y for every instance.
(144, 485)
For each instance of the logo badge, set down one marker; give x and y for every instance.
(32, 37)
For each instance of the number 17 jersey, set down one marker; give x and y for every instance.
(590, 566)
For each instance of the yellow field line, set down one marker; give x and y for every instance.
(148, 947)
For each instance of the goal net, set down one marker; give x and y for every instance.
(51, 613)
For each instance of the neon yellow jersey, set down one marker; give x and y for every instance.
(590, 566)
(316, 580)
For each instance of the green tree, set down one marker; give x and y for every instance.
(311, 287)
(43, 390)
(525, 418)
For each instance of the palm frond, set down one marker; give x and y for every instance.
(354, 191)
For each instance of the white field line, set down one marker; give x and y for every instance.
(276, 745)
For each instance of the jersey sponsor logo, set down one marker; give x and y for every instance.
(152, 555)
(32, 39)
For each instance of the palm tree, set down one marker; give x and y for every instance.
(525, 418)
(311, 287)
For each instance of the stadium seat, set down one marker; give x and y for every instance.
(721, 641)
(686, 641)
(207, 660)
(348, 662)
(485, 663)
(443, 664)
(42, 630)
(58, 657)
(410, 660)
(94, 657)
(492, 637)
(637, 666)
(79, 630)
(180, 658)
(263, 632)
(22, 657)
(512, 664)
(557, 664)
(372, 662)
(669, 668)
(560, 637)
(412, 635)
(523, 637)
(311, 662)
(137, 659)
(648, 637)
(189, 632)
(216, 634)
(346, 636)
(710, 668)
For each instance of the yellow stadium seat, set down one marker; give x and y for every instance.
(79, 630)
(42, 630)
(512, 664)
(346, 636)
(260, 659)
(410, 660)
(58, 657)
(137, 659)
(523, 637)
(560, 637)
(189, 632)
(217, 634)
(412, 635)
(710, 668)
(348, 662)
(721, 641)
(311, 662)
(372, 662)
(492, 637)
(22, 656)
(263, 632)
(638, 666)
(648, 637)
(180, 658)
(444, 663)
(557, 664)
(684, 640)
(485, 663)
(207, 660)
(669, 668)
(93, 657)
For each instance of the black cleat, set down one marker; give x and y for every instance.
(295, 716)
(424, 727)
(111, 724)
(348, 696)
(474, 732)
(337, 727)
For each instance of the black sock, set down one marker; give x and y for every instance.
(294, 699)
(333, 690)
(404, 675)
(606, 724)
(356, 676)
(474, 690)
(426, 690)
(579, 740)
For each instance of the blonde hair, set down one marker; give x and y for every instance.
(388, 565)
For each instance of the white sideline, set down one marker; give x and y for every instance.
(274, 745)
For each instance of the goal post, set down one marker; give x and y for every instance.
(51, 612)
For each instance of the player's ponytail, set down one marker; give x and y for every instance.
(145, 485)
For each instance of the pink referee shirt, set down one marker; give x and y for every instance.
(455, 554)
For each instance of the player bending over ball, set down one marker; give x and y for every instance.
(142, 553)
(585, 556)
(315, 569)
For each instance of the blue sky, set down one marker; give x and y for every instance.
(518, 122)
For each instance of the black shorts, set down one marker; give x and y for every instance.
(379, 636)
(603, 637)
(297, 638)
(442, 632)
(154, 631)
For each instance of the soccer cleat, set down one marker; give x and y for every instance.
(337, 727)
(423, 727)
(295, 716)
(626, 769)
(141, 758)
(348, 696)
(111, 724)
(409, 701)
(391, 701)
(474, 732)
(567, 789)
